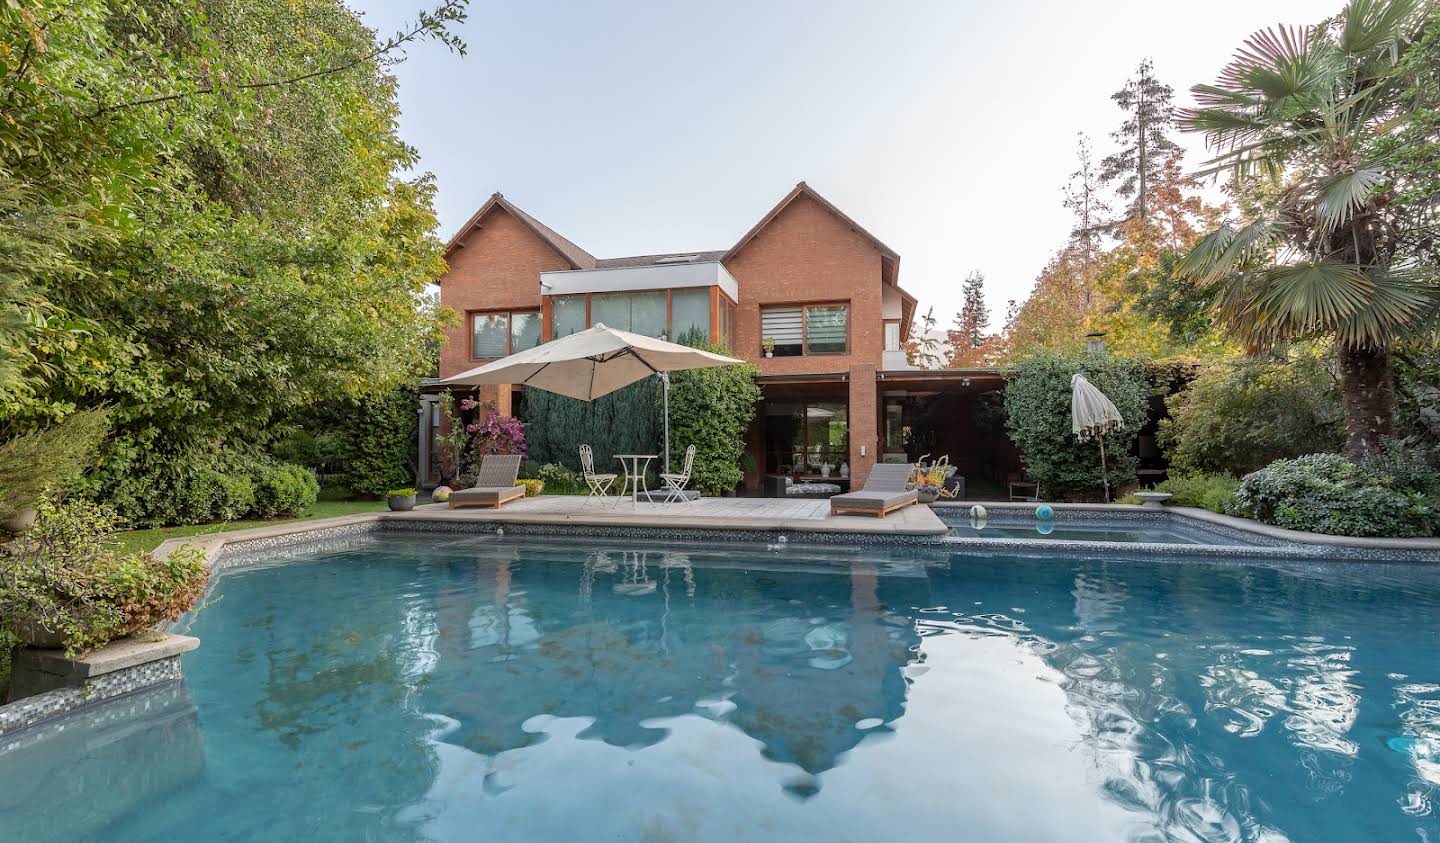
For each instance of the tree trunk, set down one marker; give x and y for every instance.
(1368, 393)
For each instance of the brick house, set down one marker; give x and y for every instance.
(807, 282)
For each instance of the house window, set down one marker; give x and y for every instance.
(568, 313)
(499, 334)
(689, 313)
(806, 329)
(642, 313)
(892, 336)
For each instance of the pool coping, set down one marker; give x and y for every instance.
(1253, 540)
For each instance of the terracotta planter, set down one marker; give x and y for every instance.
(400, 503)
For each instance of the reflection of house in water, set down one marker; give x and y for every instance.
(793, 660)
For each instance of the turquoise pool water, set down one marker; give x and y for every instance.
(468, 688)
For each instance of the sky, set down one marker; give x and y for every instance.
(946, 128)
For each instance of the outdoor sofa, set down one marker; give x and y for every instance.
(495, 485)
(884, 492)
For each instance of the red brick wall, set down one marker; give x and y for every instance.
(807, 254)
(498, 268)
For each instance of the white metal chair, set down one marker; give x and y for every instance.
(599, 483)
(675, 483)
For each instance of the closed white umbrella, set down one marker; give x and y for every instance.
(1093, 414)
(592, 363)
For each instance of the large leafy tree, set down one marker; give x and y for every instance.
(207, 218)
(1304, 120)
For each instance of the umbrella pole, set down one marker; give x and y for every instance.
(665, 379)
(1104, 472)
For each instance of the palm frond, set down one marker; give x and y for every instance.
(1376, 24)
(1397, 307)
(1344, 193)
(1300, 298)
(1227, 251)
(1279, 63)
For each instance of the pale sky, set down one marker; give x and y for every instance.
(945, 127)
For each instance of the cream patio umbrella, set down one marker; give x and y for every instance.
(592, 363)
(1092, 414)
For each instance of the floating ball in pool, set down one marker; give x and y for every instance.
(978, 511)
(441, 494)
(1044, 512)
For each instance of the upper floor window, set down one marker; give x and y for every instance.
(805, 329)
(675, 314)
(892, 336)
(503, 333)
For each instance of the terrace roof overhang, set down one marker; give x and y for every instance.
(932, 381)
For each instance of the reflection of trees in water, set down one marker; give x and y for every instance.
(319, 691)
(1166, 688)
(792, 659)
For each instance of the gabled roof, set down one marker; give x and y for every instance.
(578, 257)
(803, 189)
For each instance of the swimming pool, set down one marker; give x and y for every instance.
(452, 687)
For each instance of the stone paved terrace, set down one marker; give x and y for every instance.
(706, 513)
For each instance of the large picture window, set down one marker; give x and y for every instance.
(504, 333)
(805, 329)
(568, 313)
(673, 314)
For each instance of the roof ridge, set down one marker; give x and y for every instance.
(578, 257)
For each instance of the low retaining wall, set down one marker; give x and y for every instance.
(45, 684)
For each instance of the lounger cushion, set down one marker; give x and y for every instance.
(873, 500)
(486, 495)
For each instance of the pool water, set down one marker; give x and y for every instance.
(468, 688)
(1086, 530)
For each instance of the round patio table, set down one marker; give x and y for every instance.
(635, 474)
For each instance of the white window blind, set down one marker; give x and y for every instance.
(782, 324)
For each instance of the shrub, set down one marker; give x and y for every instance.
(558, 478)
(372, 441)
(1326, 493)
(401, 493)
(1037, 407)
(533, 488)
(711, 409)
(1238, 417)
(53, 459)
(1206, 490)
(63, 577)
(283, 489)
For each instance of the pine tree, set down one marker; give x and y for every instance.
(968, 340)
(1144, 141)
(1082, 197)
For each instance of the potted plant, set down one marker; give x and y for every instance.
(400, 500)
(928, 482)
(768, 344)
(63, 586)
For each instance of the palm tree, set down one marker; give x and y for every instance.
(1300, 119)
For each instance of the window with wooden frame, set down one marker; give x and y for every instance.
(804, 329)
(501, 333)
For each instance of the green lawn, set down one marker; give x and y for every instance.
(147, 540)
